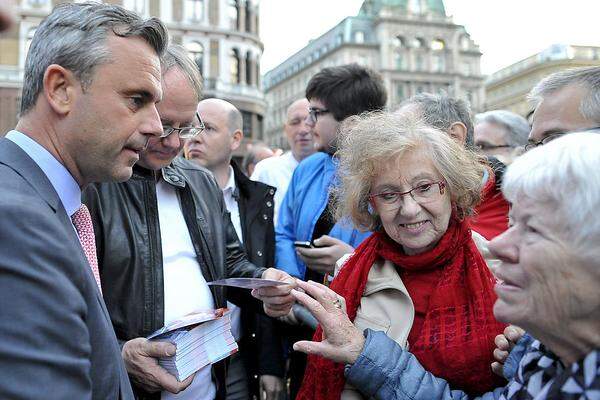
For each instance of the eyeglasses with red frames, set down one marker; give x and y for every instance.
(422, 194)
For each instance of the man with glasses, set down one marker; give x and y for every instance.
(305, 215)
(501, 134)
(161, 236)
(564, 102)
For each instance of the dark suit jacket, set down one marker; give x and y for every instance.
(56, 339)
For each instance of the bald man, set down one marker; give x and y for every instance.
(250, 204)
(277, 171)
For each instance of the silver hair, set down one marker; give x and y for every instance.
(74, 37)
(517, 127)
(586, 77)
(561, 175)
(441, 111)
(177, 56)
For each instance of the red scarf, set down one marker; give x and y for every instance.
(457, 336)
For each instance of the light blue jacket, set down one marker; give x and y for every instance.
(303, 204)
(384, 370)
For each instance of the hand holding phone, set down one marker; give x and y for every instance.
(305, 244)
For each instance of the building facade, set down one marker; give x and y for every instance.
(413, 44)
(221, 35)
(508, 88)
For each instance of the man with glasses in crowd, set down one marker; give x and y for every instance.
(305, 215)
(564, 102)
(161, 236)
(501, 134)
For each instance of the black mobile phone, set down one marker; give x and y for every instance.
(303, 244)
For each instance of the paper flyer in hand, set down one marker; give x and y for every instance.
(194, 318)
(247, 283)
(201, 339)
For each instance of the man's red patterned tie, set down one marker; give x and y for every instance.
(85, 230)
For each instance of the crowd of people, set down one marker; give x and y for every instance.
(421, 253)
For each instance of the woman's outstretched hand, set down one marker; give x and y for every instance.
(342, 342)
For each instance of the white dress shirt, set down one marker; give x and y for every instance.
(185, 288)
(277, 172)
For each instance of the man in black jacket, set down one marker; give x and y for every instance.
(161, 236)
(251, 207)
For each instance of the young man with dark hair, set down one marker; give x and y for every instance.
(333, 94)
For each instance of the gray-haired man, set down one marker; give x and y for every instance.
(564, 102)
(500, 134)
(92, 78)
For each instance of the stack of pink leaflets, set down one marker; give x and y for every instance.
(201, 338)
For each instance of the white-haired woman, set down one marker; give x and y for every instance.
(419, 277)
(550, 272)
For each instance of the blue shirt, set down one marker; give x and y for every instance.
(66, 187)
(303, 204)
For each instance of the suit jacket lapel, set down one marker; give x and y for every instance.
(14, 157)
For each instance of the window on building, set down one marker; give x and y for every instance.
(194, 10)
(418, 43)
(419, 62)
(257, 73)
(438, 45)
(466, 68)
(415, 6)
(399, 42)
(249, 14)
(420, 89)
(359, 37)
(400, 60)
(196, 52)
(465, 42)
(400, 90)
(37, 3)
(234, 66)
(438, 61)
(247, 123)
(249, 69)
(233, 11)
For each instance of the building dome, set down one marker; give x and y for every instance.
(373, 8)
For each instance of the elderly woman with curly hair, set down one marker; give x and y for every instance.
(419, 278)
(549, 279)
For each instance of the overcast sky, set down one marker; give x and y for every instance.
(506, 30)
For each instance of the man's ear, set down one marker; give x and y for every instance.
(458, 131)
(59, 88)
(237, 137)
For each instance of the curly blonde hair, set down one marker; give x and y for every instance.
(369, 141)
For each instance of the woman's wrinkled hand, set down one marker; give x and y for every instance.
(504, 344)
(342, 342)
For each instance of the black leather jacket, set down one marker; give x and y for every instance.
(126, 224)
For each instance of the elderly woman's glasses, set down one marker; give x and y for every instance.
(313, 113)
(187, 132)
(422, 194)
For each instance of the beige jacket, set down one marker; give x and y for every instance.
(385, 306)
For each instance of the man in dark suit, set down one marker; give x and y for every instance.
(92, 78)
